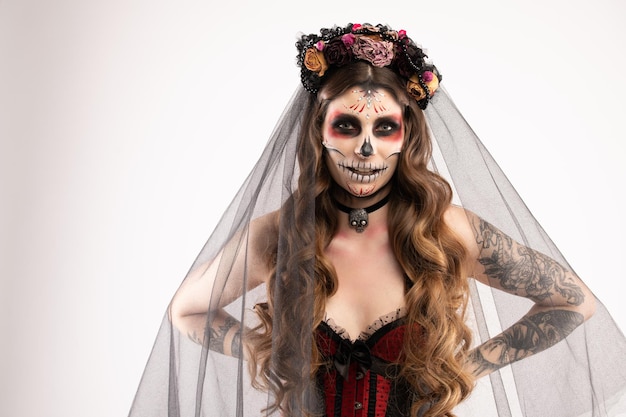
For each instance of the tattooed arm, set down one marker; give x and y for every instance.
(245, 255)
(224, 333)
(562, 301)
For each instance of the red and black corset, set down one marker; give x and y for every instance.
(361, 377)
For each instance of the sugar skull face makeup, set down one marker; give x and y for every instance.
(363, 133)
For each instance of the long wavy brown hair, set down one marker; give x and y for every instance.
(284, 356)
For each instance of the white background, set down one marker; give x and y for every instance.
(127, 126)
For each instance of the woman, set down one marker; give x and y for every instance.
(359, 265)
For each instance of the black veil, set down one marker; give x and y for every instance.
(584, 375)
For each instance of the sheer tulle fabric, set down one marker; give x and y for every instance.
(585, 375)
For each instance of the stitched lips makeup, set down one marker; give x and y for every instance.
(363, 133)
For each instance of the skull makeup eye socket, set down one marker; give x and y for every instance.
(346, 126)
(387, 128)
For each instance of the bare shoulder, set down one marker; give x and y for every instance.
(263, 241)
(459, 220)
(264, 230)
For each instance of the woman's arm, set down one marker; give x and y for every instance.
(562, 301)
(246, 254)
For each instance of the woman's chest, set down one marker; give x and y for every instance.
(370, 283)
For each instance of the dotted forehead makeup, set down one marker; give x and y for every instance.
(366, 101)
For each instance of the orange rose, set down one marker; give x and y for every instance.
(314, 61)
(414, 88)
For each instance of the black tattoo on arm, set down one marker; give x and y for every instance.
(481, 365)
(530, 335)
(521, 270)
(224, 336)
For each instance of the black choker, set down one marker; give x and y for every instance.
(358, 217)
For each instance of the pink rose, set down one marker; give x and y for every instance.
(356, 26)
(432, 84)
(348, 39)
(378, 53)
(320, 45)
(402, 34)
(427, 76)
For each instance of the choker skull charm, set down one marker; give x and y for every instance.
(359, 218)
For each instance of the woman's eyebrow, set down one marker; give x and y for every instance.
(396, 118)
(344, 116)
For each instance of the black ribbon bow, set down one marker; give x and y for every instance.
(347, 352)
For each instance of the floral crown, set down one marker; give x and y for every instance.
(379, 45)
